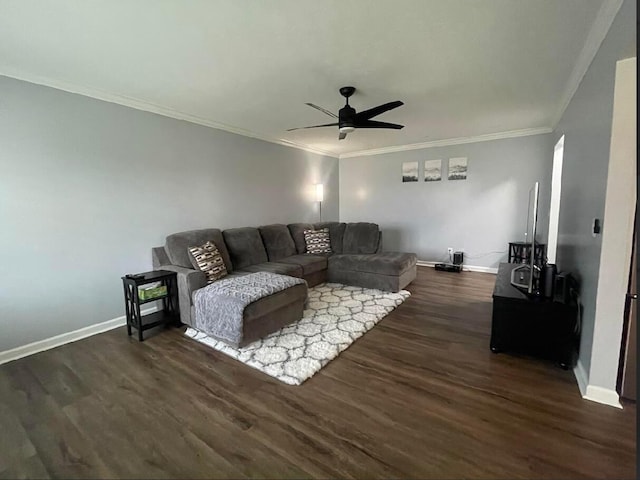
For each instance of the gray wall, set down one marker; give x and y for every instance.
(586, 124)
(480, 215)
(88, 187)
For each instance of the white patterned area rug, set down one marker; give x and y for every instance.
(335, 316)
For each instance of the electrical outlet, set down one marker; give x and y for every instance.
(450, 250)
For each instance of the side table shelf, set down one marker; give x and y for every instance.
(520, 252)
(170, 311)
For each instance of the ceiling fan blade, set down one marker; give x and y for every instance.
(342, 136)
(313, 126)
(372, 112)
(323, 110)
(374, 124)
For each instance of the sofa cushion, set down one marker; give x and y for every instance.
(290, 269)
(277, 241)
(387, 263)
(245, 246)
(386, 283)
(177, 246)
(318, 241)
(360, 237)
(297, 233)
(310, 263)
(336, 233)
(207, 259)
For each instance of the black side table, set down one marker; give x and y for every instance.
(169, 313)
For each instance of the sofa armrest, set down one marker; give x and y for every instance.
(379, 250)
(188, 282)
(159, 258)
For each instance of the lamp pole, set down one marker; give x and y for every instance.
(320, 197)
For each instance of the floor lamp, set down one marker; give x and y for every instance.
(320, 197)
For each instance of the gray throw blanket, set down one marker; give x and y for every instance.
(220, 306)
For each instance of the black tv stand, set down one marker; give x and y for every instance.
(532, 325)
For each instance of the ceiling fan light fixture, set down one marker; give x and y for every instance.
(349, 119)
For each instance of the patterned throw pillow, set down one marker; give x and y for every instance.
(207, 258)
(317, 241)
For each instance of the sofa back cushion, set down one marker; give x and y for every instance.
(297, 233)
(245, 246)
(336, 234)
(277, 241)
(177, 246)
(360, 237)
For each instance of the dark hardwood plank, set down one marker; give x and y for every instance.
(58, 380)
(419, 396)
(30, 467)
(14, 441)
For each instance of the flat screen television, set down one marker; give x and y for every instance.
(525, 277)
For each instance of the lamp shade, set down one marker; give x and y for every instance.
(319, 192)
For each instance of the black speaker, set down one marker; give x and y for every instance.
(458, 258)
(561, 287)
(547, 280)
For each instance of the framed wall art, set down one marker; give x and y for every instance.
(432, 170)
(410, 171)
(458, 168)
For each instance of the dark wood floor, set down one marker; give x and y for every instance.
(418, 396)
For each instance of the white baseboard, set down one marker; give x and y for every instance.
(594, 393)
(605, 396)
(466, 268)
(581, 377)
(58, 340)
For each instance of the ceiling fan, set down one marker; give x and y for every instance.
(349, 120)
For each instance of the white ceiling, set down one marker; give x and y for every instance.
(462, 67)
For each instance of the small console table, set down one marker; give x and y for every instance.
(535, 326)
(169, 313)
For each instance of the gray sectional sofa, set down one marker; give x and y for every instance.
(356, 259)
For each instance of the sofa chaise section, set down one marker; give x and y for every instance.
(264, 315)
(361, 262)
(388, 271)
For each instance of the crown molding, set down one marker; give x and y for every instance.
(153, 108)
(449, 141)
(599, 29)
(604, 18)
